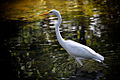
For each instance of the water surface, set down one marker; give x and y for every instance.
(34, 51)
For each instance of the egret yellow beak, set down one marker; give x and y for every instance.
(45, 13)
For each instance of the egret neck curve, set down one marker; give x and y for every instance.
(59, 37)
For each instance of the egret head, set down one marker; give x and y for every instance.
(52, 12)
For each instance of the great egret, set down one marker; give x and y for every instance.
(76, 50)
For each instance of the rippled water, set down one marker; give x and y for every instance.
(34, 51)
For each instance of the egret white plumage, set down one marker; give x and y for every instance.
(75, 49)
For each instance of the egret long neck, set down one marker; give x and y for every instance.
(59, 37)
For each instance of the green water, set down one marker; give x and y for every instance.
(34, 51)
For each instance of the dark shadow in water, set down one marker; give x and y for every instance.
(8, 64)
(82, 35)
(85, 75)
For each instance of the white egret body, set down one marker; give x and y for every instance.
(77, 50)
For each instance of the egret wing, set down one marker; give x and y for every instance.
(79, 50)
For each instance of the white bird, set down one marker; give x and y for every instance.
(75, 49)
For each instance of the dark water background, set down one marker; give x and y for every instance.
(29, 49)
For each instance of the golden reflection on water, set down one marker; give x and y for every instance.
(29, 10)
